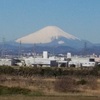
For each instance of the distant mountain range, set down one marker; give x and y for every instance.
(52, 39)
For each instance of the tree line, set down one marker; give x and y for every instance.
(49, 71)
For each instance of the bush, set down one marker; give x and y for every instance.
(6, 70)
(92, 82)
(4, 90)
(65, 84)
(82, 82)
(89, 82)
(49, 71)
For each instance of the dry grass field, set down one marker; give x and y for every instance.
(21, 97)
(50, 86)
(29, 86)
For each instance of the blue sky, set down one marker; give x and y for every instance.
(77, 17)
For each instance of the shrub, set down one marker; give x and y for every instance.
(89, 82)
(92, 82)
(4, 90)
(65, 84)
(81, 82)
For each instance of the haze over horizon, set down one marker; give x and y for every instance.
(80, 18)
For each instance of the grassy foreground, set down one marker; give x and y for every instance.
(49, 84)
(22, 97)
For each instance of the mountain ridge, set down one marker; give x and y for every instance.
(46, 35)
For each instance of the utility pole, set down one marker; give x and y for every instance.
(20, 51)
(3, 48)
(85, 48)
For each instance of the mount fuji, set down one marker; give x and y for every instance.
(52, 36)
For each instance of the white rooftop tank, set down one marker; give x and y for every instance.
(69, 55)
(45, 54)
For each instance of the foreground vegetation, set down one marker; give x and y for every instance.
(21, 97)
(47, 83)
(4, 90)
(49, 71)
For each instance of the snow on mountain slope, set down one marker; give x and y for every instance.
(46, 35)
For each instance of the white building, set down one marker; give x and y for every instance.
(40, 61)
(5, 62)
(58, 61)
(82, 62)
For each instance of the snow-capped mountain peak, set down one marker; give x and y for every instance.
(47, 35)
